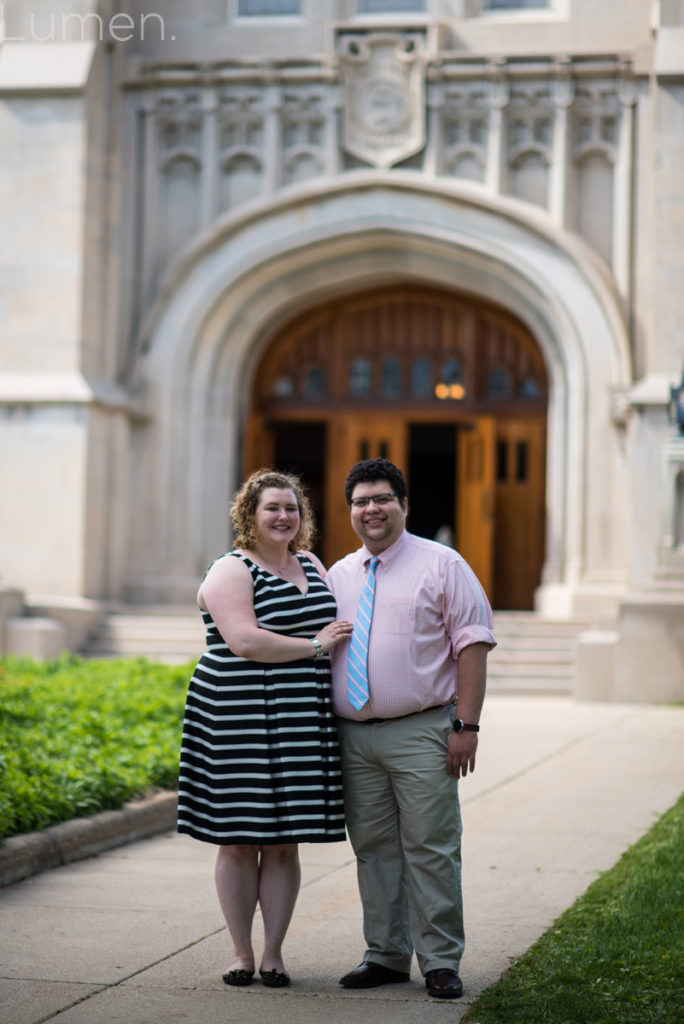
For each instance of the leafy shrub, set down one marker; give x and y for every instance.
(77, 736)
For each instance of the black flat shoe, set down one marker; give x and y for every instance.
(238, 977)
(443, 984)
(275, 978)
(370, 975)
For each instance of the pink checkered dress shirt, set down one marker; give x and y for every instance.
(429, 605)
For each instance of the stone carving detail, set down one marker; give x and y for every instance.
(179, 126)
(530, 123)
(214, 139)
(465, 118)
(595, 129)
(530, 119)
(302, 133)
(241, 123)
(383, 77)
(596, 120)
(240, 128)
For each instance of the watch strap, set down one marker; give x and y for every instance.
(461, 726)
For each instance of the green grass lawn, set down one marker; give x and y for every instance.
(80, 736)
(616, 956)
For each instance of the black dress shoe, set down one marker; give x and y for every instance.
(238, 977)
(370, 975)
(275, 978)
(443, 984)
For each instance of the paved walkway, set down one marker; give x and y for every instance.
(134, 936)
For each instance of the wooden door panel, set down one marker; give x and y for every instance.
(259, 445)
(475, 497)
(351, 438)
(519, 511)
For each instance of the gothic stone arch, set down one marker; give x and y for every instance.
(228, 293)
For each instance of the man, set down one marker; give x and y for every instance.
(408, 711)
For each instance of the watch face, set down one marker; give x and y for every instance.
(458, 725)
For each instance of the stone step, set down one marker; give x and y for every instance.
(172, 635)
(529, 624)
(137, 628)
(533, 655)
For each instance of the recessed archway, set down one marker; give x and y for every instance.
(232, 291)
(452, 389)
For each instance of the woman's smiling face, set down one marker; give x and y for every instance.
(277, 515)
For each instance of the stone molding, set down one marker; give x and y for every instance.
(221, 138)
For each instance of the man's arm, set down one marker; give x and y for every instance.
(472, 682)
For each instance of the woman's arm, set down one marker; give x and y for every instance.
(227, 594)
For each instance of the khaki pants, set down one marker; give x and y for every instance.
(404, 823)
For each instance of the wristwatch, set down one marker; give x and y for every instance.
(461, 726)
(318, 648)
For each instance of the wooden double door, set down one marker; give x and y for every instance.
(360, 380)
(476, 482)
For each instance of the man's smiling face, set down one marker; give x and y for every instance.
(377, 525)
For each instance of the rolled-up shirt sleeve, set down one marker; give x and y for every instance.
(465, 608)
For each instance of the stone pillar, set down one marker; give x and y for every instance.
(210, 159)
(149, 184)
(272, 147)
(332, 131)
(562, 98)
(498, 100)
(622, 187)
(435, 141)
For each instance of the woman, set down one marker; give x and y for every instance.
(259, 766)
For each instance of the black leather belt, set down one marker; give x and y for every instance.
(397, 718)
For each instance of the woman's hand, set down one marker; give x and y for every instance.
(333, 633)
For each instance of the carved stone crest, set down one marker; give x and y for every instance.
(383, 74)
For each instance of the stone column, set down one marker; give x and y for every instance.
(498, 100)
(210, 158)
(272, 146)
(333, 105)
(149, 188)
(622, 186)
(435, 139)
(563, 90)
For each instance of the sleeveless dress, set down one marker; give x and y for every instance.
(260, 760)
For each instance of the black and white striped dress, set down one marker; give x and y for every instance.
(259, 757)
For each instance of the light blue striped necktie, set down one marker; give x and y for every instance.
(357, 662)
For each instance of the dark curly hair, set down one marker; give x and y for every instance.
(244, 506)
(370, 470)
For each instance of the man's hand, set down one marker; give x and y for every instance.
(461, 754)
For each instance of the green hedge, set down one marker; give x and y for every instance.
(77, 736)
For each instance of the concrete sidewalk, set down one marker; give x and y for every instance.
(135, 936)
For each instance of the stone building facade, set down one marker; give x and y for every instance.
(239, 232)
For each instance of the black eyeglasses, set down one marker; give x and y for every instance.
(377, 499)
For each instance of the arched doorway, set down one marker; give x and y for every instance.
(452, 389)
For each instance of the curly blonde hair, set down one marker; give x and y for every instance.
(244, 506)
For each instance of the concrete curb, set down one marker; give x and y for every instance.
(23, 856)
